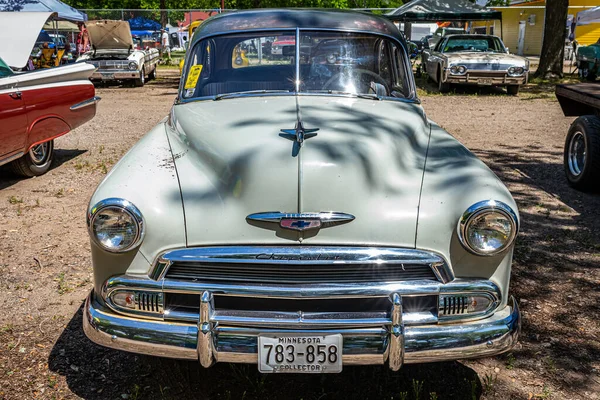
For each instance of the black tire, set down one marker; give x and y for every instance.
(512, 90)
(591, 77)
(141, 80)
(582, 153)
(36, 162)
(443, 87)
(152, 75)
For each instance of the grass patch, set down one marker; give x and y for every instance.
(15, 200)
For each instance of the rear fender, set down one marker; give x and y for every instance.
(45, 129)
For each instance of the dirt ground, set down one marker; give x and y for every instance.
(45, 271)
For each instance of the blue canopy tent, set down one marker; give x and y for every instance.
(62, 10)
(143, 24)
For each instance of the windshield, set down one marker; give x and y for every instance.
(5, 69)
(358, 64)
(482, 44)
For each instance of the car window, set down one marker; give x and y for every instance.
(274, 50)
(5, 69)
(329, 62)
(355, 63)
(481, 44)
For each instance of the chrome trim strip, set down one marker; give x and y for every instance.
(279, 319)
(86, 103)
(363, 346)
(316, 291)
(11, 158)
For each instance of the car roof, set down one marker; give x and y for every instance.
(469, 36)
(281, 19)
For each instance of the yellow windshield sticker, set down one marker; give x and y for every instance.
(193, 77)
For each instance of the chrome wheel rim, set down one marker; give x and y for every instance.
(39, 153)
(576, 155)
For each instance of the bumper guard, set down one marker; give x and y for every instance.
(395, 344)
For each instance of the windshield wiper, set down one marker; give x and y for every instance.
(234, 94)
(371, 96)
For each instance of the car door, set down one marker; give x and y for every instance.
(13, 118)
(434, 59)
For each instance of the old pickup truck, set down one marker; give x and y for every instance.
(582, 146)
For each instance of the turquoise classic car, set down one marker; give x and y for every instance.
(588, 61)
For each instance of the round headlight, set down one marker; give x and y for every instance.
(454, 69)
(462, 69)
(488, 228)
(132, 65)
(116, 225)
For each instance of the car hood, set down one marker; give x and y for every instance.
(17, 47)
(479, 57)
(367, 160)
(108, 34)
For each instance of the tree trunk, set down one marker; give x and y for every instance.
(553, 47)
(163, 13)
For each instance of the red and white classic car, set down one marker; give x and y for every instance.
(37, 106)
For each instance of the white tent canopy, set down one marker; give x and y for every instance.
(590, 16)
(18, 47)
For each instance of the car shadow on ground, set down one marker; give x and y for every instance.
(95, 372)
(61, 156)
(556, 266)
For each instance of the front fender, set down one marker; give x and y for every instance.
(146, 177)
(454, 179)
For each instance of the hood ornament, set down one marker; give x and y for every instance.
(299, 133)
(302, 221)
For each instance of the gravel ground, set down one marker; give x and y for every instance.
(45, 270)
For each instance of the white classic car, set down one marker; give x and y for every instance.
(474, 60)
(301, 214)
(115, 56)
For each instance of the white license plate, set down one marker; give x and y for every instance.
(484, 81)
(304, 354)
(108, 76)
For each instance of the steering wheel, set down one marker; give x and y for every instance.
(360, 72)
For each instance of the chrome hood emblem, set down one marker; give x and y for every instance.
(302, 221)
(299, 134)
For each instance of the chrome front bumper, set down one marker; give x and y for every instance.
(501, 80)
(395, 344)
(115, 74)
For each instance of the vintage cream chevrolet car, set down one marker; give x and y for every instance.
(474, 60)
(301, 214)
(115, 56)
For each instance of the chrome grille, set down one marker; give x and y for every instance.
(301, 264)
(299, 273)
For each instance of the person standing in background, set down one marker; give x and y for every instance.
(83, 39)
(164, 42)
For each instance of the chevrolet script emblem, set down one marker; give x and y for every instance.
(302, 221)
